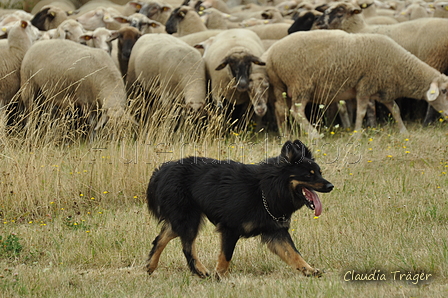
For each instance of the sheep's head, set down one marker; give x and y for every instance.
(176, 17)
(240, 63)
(335, 16)
(437, 95)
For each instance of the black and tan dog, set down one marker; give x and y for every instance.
(240, 200)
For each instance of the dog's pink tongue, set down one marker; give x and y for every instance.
(313, 197)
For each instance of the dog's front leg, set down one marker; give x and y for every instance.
(228, 242)
(280, 243)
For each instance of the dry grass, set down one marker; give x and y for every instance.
(74, 220)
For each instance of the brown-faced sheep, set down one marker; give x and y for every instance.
(229, 57)
(332, 65)
(156, 10)
(175, 67)
(49, 17)
(12, 51)
(67, 73)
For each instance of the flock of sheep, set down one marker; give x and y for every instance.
(247, 53)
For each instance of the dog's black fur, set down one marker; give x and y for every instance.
(240, 200)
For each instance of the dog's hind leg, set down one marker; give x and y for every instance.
(228, 242)
(159, 244)
(280, 243)
(188, 238)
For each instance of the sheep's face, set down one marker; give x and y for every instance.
(239, 67)
(127, 38)
(258, 92)
(175, 18)
(437, 95)
(335, 16)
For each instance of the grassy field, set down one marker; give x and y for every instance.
(75, 224)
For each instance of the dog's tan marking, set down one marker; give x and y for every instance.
(248, 227)
(165, 236)
(312, 172)
(287, 253)
(294, 183)
(222, 267)
(203, 272)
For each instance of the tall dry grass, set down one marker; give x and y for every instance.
(74, 220)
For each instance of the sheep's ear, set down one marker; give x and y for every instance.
(122, 20)
(356, 11)
(257, 61)
(137, 5)
(165, 8)
(86, 37)
(433, 92)
(154, 24)
(222, 65)
(113, 35)
(23, 24)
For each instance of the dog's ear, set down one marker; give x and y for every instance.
(295, 152)
(304, 149)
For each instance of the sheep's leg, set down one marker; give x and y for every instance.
(362, 103)
(298, 111)
(395, 110)
(343, 114)
(281, 110)
(371, 113)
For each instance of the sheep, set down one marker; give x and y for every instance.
(49, 17)
(142, 23)
(184, 20)
(194, 39)
(126, 39)
(100, 17)
(20, 38)
(69, 29)
(65, 5)
(177, 68)
(426, 38)
(157, 11)
(100, 38)
(331, 65)
(214, 19)
(87, 77)
(229, 57)
(271, 31)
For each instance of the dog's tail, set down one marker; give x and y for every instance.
(152, 200)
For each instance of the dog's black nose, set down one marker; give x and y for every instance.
(329, 187)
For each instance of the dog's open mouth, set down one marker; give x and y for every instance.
(313, 201)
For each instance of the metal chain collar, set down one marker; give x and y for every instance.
(265, 204)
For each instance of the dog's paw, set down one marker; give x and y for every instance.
(311, 272)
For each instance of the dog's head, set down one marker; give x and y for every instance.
(305, 176)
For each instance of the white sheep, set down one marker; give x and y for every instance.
(184, 20)
(229, 57)
(12, 50)
(100, 38)
(100, 17)
(271, 31)
(87, 77)
(69, 29)
(426, 38)
(331, 65)
(214, 19)
(176, 68)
